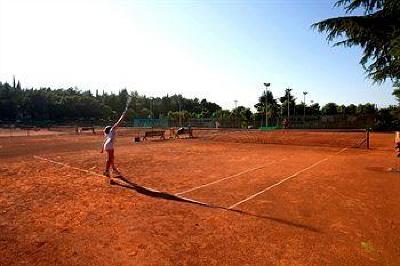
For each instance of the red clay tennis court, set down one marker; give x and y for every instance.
(207, 200)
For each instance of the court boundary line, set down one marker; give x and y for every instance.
(147, 188)
(67, 165)
(284, 180)
(229, 177)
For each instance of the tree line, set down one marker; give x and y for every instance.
(367, 115)
(66, 105)
(72, 105)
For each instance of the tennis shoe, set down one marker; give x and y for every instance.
(116, 171)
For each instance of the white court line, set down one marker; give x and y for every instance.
(228, 177)
(94, 173)
(66, 165)
(285, 179)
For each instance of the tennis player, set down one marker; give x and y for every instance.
(397, 143)
(108, 145)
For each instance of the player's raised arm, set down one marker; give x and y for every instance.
(118, 123)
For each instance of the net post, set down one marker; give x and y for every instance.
(367, 135)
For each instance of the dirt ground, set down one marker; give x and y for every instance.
(264, 204)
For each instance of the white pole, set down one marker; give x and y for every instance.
(266, 103)
(288, 103)
(180, 118)
(304, 114)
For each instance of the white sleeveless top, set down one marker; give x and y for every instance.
(109, 142)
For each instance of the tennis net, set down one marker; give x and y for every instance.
(352, 138)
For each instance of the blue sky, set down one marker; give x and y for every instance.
(219, 50)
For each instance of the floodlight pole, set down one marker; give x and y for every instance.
(180, 118)
(288, 103)
(266, 103)
(304, 114)
(151, 112)
(236, 116)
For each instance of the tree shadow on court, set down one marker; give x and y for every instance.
(126, 183)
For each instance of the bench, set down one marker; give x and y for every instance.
(81, 129)
(154, 133)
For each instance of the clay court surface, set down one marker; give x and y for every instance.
(266, 204)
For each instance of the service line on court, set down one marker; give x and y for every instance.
(285, 179)
(229, 177)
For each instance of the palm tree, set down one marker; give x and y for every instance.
(396, 92)
(287, 100)
(272, 107)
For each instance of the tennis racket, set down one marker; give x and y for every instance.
(128, 102)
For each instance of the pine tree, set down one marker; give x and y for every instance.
(396, 93)
(377, 32)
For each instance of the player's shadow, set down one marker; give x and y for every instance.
(151, 192)
(126, 183)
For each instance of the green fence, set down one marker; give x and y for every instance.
(158, 123)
